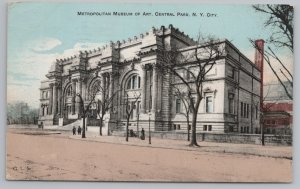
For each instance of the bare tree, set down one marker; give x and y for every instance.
(280, 20)
(130, 105)
(20, 113)
(284, 75)
(183, 96)
(85, 109)
(105, 103)
(203, 57)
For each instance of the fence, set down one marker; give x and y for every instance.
(286, 140)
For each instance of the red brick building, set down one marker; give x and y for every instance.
(278, 109)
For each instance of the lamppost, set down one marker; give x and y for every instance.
(137, 124)
(149, 128)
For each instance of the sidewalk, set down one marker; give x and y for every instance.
(243, 149)
(208, 147)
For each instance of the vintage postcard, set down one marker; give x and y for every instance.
(149, 92)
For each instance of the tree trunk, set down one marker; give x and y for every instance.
(100, 129)
(83, 127)
(188, 128)
(262, 134)
(194, 137)
(127, 125)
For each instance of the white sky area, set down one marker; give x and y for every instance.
(35, 62)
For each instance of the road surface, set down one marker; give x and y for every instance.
(59, 157)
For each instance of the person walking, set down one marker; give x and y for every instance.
(74, 130)
(79, 130)
(143, 134)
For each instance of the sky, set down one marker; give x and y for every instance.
(40, 33)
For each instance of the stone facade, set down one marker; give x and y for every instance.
(232, 89)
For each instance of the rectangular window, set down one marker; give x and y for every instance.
(242, 109)
(174, 127)
(204, 127)
(178, 105)
(230, 72)
(256, 112)
(231, 103)
(209, 127)
(209, 104)
(178, 127)
(247, 111)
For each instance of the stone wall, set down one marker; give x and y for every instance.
(285, 140)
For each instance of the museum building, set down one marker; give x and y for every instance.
(128, 71)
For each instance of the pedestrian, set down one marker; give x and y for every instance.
(74, 130)
(143, 134)
(79, 130)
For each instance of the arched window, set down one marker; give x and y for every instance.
(69, 91)
(134, 82)
(96, 89)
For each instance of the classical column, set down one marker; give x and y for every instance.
(50, 99)
(59, 99)
(154, 88)
(143, 96)
(79, 87)
(103, 85)
(41, 110)
(54, 102)
(111, 90)
(73, 96)
(83, 89)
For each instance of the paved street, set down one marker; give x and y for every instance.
(47, 155)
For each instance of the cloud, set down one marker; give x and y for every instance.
(27, 68)
(45, 44)
(79, 47)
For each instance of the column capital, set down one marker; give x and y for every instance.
(74, 80)
(104, 74)
(82, 79)
(147, 66)
(144, 67)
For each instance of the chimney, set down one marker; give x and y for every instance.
(259, 54)
(259, 62)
